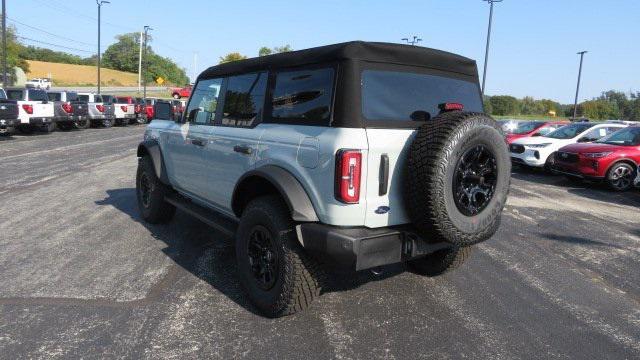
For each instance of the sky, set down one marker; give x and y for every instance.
(533, 43)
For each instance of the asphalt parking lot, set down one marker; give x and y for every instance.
(82, 276)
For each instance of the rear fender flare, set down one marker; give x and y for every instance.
(288, 187)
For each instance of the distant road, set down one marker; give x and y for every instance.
(107, 89)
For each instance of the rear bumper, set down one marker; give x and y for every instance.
(360, 248)
(41, 120)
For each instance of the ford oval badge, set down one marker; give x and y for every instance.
(382, 209)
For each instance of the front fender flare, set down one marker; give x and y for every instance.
(289, 188)
(152, 149)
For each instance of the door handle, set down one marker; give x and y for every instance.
(243, 149)
(198, 142)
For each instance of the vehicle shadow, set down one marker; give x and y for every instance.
(578, 240)
(210, 255)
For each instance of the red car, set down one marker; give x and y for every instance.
(533, 128)
(614, 159)
(178, 93)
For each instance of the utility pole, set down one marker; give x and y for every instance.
(412, 42)
(144, 77)
(4, 44)
(140, 63)
(486, 52)
(100, 3)
(575, 102)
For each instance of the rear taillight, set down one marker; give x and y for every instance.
(124, 108)
(348, 170)
(67, 108)
(100, 108)
(451, 107)
(28, 108)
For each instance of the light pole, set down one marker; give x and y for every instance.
(412, 42)
(575, 102)
(100, 3)
(144, 76)
(4, 44)
(486, 52)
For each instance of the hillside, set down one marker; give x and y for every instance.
(80, 75)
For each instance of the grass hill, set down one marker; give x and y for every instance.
(80, 75)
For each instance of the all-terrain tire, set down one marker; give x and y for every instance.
(150, 193)
(433, 161)
(297, 276)
(48, 128)
(440, 262)
(107, 123)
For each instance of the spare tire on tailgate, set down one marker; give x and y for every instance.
(457, 180)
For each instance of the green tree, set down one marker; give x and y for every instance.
(264, 51)
(123, 55)
(13, 51)
(505, 105)
(278, 49)
(234, 56)
(599, 109)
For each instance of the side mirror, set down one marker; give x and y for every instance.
(162, 110)
(536, 134)
(192, 114)
(584, 139)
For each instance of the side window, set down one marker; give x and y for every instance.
(243, 99)
(303, 97)
(204, 102)
(597, 133)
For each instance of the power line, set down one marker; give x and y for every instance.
(48, 33)
(50, 44)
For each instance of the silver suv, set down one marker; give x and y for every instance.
(356, 155)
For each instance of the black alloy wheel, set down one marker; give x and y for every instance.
(475, 180)
(263, 257)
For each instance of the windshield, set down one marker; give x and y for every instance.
(407, 96)
(569, 131)
(526, 127)
(625, 137)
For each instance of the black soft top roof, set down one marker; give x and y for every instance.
(355, 50)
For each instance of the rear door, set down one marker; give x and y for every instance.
(394, 103)
(233, 144)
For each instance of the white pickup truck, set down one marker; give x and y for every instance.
(35, 109)
(39, 83)
(124, 113)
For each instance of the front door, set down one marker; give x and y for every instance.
(190, 143)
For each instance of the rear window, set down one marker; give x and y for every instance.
(38, 95)
(15, 94)
(303, 97)
(72, 96)
(54, 96)
(406, 96)
(83, 98)
(124, 100)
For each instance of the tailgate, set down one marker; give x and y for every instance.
(8, 109)
(43, 110)
(388, 146)
(80, 108)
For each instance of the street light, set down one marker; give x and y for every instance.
(486, 53)
(412, 42)
(100, 3)
(575, 102)
(144, 76)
